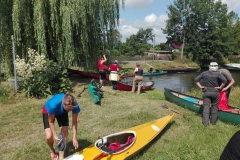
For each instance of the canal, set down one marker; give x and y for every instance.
(182, 82)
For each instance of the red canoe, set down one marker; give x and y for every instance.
(127, 86)
(89, 75)
(93, 75)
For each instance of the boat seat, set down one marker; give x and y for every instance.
(106, 149)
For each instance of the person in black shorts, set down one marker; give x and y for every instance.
(102, 68)
(58, 107)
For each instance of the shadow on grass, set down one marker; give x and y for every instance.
(70, 149)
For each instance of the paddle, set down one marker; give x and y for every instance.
(166, 107)
(100, 156)
(79, 95)
(149, 65)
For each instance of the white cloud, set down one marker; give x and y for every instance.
(128, 28)
(232, 4)
(150, 18)
(138, 3)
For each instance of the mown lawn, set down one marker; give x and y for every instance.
(184, 138)
(22, 134)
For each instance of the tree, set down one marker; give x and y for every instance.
(143, 36)
(65, 31)
(140, 40)
(6, 58)
(202, 26)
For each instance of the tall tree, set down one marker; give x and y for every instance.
(202, 25)
(6, 58)
(65, 31)
(140, 40)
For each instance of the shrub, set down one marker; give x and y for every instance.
(6, 95)
(41, 77)
(176, 54)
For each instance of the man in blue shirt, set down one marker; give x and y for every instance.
(58, 107)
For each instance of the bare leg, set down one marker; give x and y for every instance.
(50, 141)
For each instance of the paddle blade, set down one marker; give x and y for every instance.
(164, 106)
(100, 156)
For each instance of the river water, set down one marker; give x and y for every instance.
(182, 82)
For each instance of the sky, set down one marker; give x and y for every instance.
(152, 14)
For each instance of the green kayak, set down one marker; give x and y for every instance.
(156, 73)
(95, 92)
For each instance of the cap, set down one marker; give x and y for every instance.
(115, 61)
(213, 64)
(137, 64)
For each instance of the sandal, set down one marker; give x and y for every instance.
(54, 155)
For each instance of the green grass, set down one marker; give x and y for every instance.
(22, 134)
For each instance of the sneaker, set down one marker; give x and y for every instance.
(54, 155)
(61, 145)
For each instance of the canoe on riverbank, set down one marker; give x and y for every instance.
(85, 74)
(94, 92)
(127, 86)
(232, 67)
(231, 115)
(122, 145)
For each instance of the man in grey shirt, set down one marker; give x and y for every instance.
(210, 86)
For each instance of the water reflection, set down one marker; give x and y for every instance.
(182, 82)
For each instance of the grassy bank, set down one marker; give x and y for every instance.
(22, 134)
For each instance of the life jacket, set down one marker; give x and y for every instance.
(139, 72)
(101, 66)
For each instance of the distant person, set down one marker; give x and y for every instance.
(230, 81)
(232, 149)
(102, 68)
(58, 107)
(138, 79)
(114, 77)
(210, 88)
(150, 70)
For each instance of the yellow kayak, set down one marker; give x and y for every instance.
(121, 145)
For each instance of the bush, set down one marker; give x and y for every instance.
(41, 77)
(6, 95)
(176, 54)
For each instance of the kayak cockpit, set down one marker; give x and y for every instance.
(116, 143)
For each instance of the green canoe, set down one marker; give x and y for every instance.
(156, 73)
(95, 92)
(232, 115)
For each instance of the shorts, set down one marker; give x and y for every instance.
(103, 74)
(62, 120)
